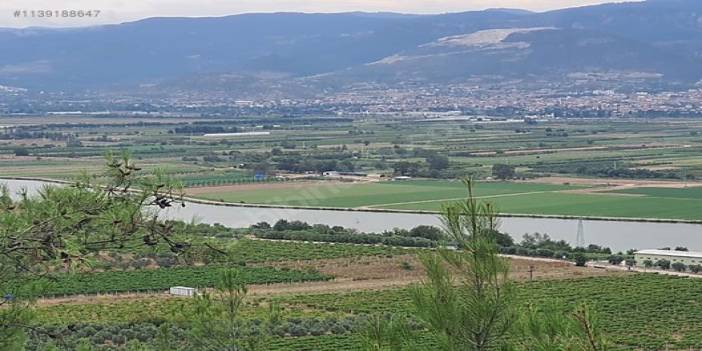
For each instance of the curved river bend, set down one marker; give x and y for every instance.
(618, 235)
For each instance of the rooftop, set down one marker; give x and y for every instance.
(691, 254)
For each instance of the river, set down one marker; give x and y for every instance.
(617, 235)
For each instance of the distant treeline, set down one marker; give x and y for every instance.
(420, 236)
(203, 129)
(533, 245)
(607, 169)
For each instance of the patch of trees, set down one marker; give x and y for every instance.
(298, 164)
(203, 129)
(21, 151)
(421, 236)
(606, 170)
(502, 171)
(437, 162)
(541, 245)
(18, 134)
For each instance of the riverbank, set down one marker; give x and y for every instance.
(423, 212)
(394, 211)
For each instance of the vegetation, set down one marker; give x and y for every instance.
(150, 280)
(469, 303)
(420, 236)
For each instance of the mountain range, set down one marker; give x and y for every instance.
(649, 43)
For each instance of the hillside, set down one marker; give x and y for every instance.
(658, 40)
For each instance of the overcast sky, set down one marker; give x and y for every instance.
(116, 11)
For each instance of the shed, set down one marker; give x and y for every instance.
(183, 291)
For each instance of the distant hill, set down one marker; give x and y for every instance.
(656, 40)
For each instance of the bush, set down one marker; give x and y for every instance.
(615, 259)
(544, 253)
(261, 225)
(282, 225)
(426, 232)
(20, 151)
(679, 267)
(580, 260)
(663, 264)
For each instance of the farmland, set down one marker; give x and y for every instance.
(291, 158)
(512, 197)
(654, 320)
(160, 280)
(380, 194)
(613, 168)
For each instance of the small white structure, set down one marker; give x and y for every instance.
(183, 291)
(401, 178)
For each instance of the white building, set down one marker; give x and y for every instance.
(685, 257)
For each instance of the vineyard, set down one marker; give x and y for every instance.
(639, 311)
(151, 280)
(217, 179)
(266, 251)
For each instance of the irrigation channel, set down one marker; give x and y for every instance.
(619, 235)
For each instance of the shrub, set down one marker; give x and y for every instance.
(615, 259)
(427, 232)
(679, 267)
(580, 260)
(663, 264)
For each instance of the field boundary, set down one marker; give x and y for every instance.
(424, 212)
(460, 198)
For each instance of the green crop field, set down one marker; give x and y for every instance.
(521, 198)
(381, 194)
(692, 193)
(164, 278)
(602, 205)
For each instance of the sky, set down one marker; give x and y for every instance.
(18, 13)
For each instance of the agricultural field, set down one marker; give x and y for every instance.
(151, 280)
(285, 166)
(656, 319)
(377, 194)
(509, 197)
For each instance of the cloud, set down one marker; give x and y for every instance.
(115, 11)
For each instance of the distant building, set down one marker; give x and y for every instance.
(685, 257)
(400, 178)
(331, 174)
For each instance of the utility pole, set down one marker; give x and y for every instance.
(531, 272)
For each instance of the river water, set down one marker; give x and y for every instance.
(618, 235)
